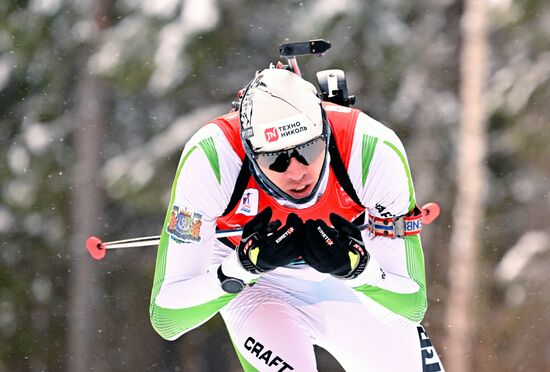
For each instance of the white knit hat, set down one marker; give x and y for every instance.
(279, 110)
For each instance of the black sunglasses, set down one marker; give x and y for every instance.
(278, 161)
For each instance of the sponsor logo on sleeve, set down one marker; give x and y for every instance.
(249, 203)
(184, 225)
(382, 211)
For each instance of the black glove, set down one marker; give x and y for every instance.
(266, 245)
(339, 251)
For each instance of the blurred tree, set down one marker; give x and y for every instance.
(90, 121)
(470, 180)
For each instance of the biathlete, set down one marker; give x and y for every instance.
(298, 175)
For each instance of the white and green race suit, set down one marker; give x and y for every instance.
(370, 323)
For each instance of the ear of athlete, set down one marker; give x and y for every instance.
(337, 250)
(266, 245)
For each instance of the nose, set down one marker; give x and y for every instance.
(296, 171)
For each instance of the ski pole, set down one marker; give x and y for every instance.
(98, 248)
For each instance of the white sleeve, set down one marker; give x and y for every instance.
(204, 182)
(379, 169)
(380, 174)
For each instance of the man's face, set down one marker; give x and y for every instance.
(299, 179)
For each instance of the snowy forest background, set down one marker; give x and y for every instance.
(97, 98)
